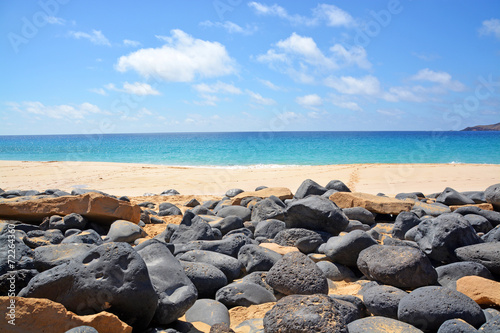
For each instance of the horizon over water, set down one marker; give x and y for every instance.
(258, 149)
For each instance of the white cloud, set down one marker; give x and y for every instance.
(442, 78)
(181, 59)
(218, 87)
(55, 20)
(409, 94)
(271, 56)
(490, 27)
(231, 27)
(210, 100)
(271, 85)
(355, 56)
(257, 98)
(367, 85)
(207, 92)
(309, 101)
(99, 91)
(131, 43)
(343, 102)
(334, 16)
(306, 48)
(300, 58)
(136, 88)
(140, 89)
(96, 37)
(329, 14)
(56, 111)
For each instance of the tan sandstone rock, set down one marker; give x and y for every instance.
(279, 248)
(373, 203)
(482, 291)
(485, 206)
(281, 192)
(37, 315)
(95, 206)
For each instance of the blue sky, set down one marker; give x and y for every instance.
(84, 67)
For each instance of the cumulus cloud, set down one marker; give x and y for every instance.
(441, 78)
(96, 37)
(312, 101)
(354, 56)
(300, 58)
(231, 27)
(333, 15)
(181, 59)
(305, 48)
(324, 13)
(490, 27)
(136, 88)
(56, 111)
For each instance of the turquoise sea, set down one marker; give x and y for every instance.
(259, 149)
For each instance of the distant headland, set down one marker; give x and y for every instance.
(493, 127)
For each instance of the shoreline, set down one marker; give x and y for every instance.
(135, 179)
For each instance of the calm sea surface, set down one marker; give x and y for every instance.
(259, 149)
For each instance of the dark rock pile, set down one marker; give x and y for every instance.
(90, 252)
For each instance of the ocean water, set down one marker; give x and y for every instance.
(259, 149)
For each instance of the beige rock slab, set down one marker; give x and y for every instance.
(95, 206)
(373, 203)
(485, 206)
(279, 248)
(482, 291)
(282, 193)
(36, 315)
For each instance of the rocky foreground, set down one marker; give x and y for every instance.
(322, 259)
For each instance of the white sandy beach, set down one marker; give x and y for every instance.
(137, 179)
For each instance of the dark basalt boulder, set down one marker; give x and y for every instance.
(449, 274)
(230, 266)
(295, 273)
(360, 214)
(316, 213)
(383, 300)
(206, 277)
(439, 237)
(243, 294)
(345, 249)
(111, 277)
(492, 195)
(399, 266)
(451, 197)
(176, 293)
(487, 254)
(304, 314)
(256, 258)
(337, 185)
(428, 308)
(309, 187)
